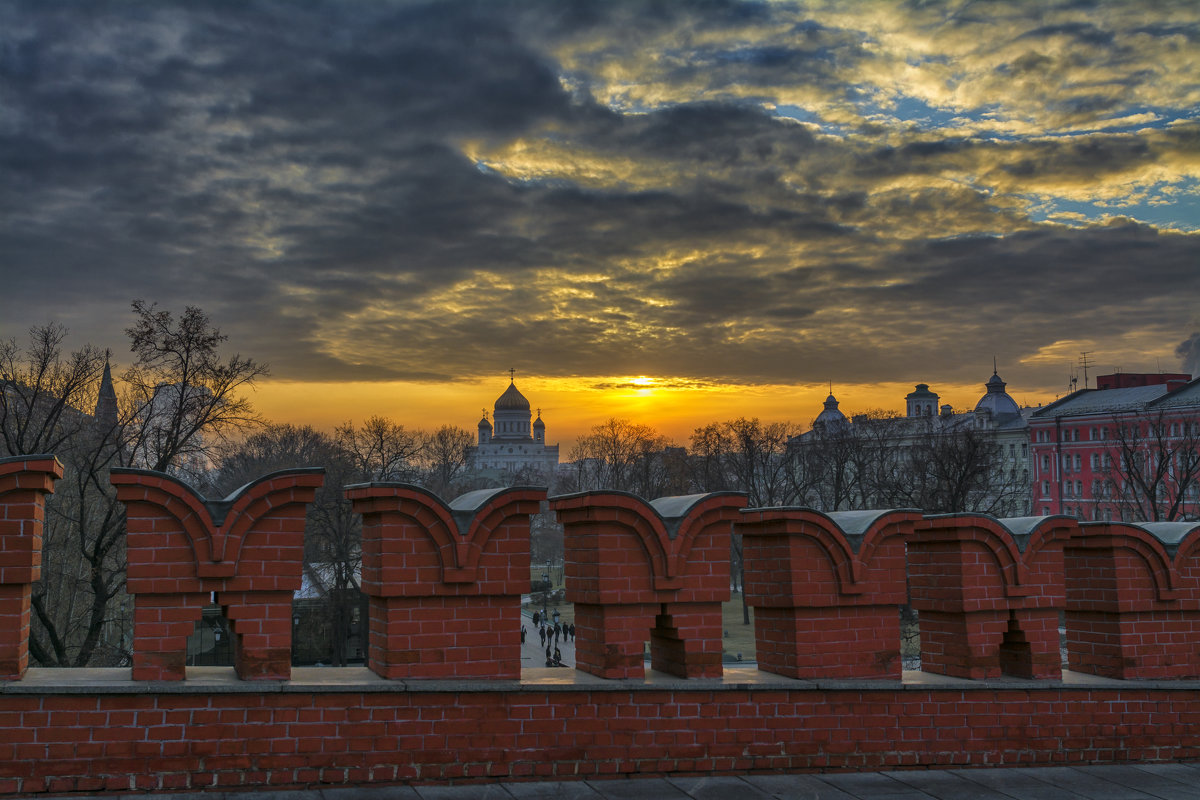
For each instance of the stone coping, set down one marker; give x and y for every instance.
(310, 680)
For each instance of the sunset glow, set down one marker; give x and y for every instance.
(570, 407)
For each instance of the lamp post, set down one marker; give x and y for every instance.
(546, 590)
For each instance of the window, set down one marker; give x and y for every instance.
(1092, 434)
(1045, 488)
(1045, 462)
(1078, 463)
(1067, 489)
(1024, 450)
(1079, 488)
(1095, 461)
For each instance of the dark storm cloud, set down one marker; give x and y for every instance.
(410, 190)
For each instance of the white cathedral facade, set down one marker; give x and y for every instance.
(510, 442)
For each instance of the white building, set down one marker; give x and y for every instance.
(996, 416)
(510, 442)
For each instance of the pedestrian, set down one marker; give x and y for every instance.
(522, 634)
(572, 631)
(557, 657)
(542, 633)
(556, 632)
(536, 618)
(549, 658)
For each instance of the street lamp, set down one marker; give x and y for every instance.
(546, 587)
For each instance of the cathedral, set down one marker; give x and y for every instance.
(509, 442)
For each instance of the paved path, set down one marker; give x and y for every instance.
(1117, 782)
(534, 655)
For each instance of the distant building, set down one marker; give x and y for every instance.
(1124, 450)
(892, 439)
(509, 442)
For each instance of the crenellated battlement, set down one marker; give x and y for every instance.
(444, 698)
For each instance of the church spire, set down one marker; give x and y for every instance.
(106, 401)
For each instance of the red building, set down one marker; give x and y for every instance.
(1128, 449)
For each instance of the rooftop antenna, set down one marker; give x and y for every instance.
(1085, 362)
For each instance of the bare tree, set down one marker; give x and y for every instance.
(843, 466)
(943, 470)
(881, 460)
(382, 450)
(757, 458)
(708, 459)
(445, 459)
(185, 393)
(1152, 468)
(750, 456)
(80, 611)
(43, 391)
(624, 456)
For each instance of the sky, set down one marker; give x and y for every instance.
(671, 212)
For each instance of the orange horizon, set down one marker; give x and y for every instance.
(570, 407)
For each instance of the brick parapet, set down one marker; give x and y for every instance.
(248, 549)
(25, 482)
(989, 593)
(1133, 600)
(639, 571)
(444, 581)
(93, 731)
(220, 736)
(826, 589)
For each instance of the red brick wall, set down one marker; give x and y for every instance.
(247, 549)
(24, 483)
(153, 741)
(444, 582)
(989, 591)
